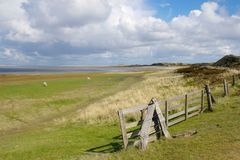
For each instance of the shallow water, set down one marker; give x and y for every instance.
(39, 70)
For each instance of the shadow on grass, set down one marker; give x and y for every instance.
(111, 147)
(108, 148)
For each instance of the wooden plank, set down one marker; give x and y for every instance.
(202, 101)
(152, 130)
(186, 106)
(166, 113)
(193, 114)
(163, 111)
(209, 97)
(161, 103)
(176, 115)
(133, 134)
(193, 101)
(176, 121)
(123, 128)
(198, 107)
(176, 106)
(225, 87)
(176, 98)
(213, 99)
(146, 126)
(161, 120)
(157, 126)
(134, 109)
(132, 124)
(142, 115)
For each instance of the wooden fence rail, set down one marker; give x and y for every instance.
(173, 111)
(157, 116)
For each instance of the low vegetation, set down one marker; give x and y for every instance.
(217, 135)
(161, 85)
(207, 74)
(26, 102)
(74, 117)
(231, 61)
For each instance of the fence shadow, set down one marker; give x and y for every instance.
(108, 148)
(111, 147)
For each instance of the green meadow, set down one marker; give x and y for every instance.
(29, 112)
(217, 135)
(75, 117)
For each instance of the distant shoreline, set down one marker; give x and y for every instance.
(93, 69)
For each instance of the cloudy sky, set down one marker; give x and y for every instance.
(111, 32)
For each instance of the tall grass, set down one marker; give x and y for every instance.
(159, 85)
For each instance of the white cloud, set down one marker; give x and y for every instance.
(14, 21)
(23, 32)
(14, 55)
(11, 10)
(206, 31)
(209, 10)
(61, 13)
(109, 29)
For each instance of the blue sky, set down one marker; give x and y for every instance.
(111, 32)
(167, 9)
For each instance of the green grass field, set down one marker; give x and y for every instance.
(29, 111)
(35, 121)
(218, 135)
(23, 102)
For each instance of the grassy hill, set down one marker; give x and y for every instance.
(228, 61)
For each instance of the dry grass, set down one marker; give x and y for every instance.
(208, 74)
(161, 85)
(24, 102)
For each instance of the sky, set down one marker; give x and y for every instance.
(113, 32)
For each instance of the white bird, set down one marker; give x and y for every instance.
(45, 84)
(88, 78)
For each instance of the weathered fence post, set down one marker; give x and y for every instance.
(161, 119)
(202, 100)
(154, 114)
(144, 133)
(209, 97)
(123, 129)
(142, 116)
(186, 107)
(234, 81)
(166, 113)
(213, 99)
(225, 85)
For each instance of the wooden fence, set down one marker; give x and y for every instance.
(157, 116)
